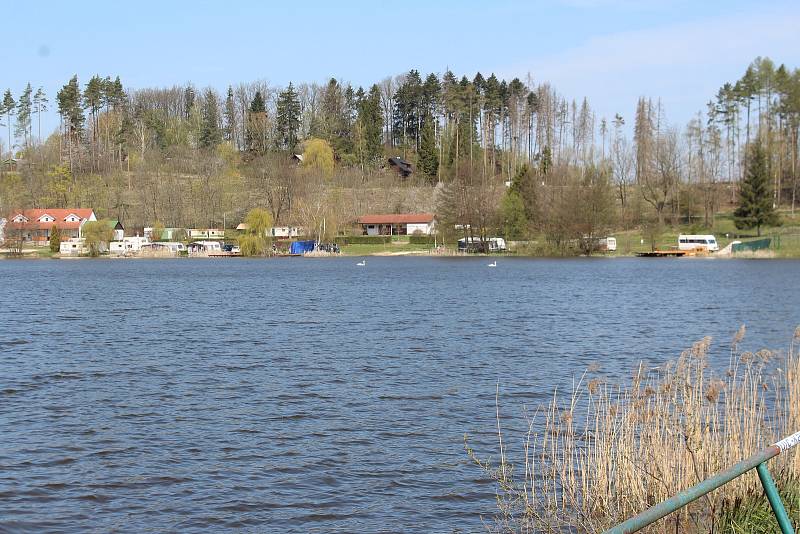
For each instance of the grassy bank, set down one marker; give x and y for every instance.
(786, 238)
(609, 451)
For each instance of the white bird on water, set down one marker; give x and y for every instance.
(493, 264)
(362, 263)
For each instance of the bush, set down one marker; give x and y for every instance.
(422, 240)
(363, 240)
(55, 239)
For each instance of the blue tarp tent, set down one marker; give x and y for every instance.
(301, 247)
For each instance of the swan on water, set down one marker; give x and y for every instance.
(493, 264)
(362, 263)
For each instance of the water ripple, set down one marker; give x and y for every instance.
(311, 396)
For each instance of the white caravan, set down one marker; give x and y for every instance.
(692, 242)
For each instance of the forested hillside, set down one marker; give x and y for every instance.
(494, 156)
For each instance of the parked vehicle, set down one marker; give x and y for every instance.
(693, 242)
(478, 245)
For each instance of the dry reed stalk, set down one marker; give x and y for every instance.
(634, 446)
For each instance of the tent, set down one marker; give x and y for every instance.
(301, 247)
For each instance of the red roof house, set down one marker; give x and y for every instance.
(34, 225)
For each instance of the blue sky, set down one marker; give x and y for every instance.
(611, 51)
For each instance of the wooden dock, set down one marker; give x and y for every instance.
(672, 253)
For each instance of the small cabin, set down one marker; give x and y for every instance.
(402, 166)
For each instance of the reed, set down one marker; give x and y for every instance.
(608, 451)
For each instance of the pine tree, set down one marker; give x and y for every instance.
(93, 100)
(188, 101)
(755, 196)
(24, 108)
(8, 109)
(370, 117)
(256, 128)
(117, 94)
(428, 152)
(288, 118)
(210, 134)
(230, 116)
(408, 110)
(69, 107)
(258, 105)
(40, 102)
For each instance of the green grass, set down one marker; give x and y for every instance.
(753, 515)
(45, 252)
(633, 241)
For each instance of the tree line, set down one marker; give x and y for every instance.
(496, 155)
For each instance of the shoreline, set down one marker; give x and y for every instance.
(33, 255)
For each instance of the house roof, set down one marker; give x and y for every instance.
(402, 165)
(397, 218)
(59, 215)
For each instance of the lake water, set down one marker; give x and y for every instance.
(302, 395)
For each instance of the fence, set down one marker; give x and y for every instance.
(752, 246)
(757, 461)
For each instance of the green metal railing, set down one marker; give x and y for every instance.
(757, 461)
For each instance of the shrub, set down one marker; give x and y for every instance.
(55, 239)
(363, 240)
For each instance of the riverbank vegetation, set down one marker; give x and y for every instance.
(607, 451)
(490, 156)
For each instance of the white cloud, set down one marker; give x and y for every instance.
(684, 64)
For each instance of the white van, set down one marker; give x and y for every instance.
(692, 242)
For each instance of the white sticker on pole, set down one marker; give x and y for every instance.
(787, 443)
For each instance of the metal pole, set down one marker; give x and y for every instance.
(683, 498)
(774, 499)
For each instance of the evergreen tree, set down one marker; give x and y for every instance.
(431, 95)
(117, 94)
(408, 110)
(24, 109)
(755, 197)
(188, 101)
(93, 100)
(70, 109)
(512, 212)
(370, 121)
(40, 102)
(8, 109)
(230, 116)
(256, 130)
(428, 152)
(210, 134)
(258, 105)
(288, 118)
(55, 238)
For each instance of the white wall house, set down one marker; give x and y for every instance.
(285, 231)
(128, 245)
(276, 231)
(204, 248)
(205, 233)
(73, 247)
(398, 224)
